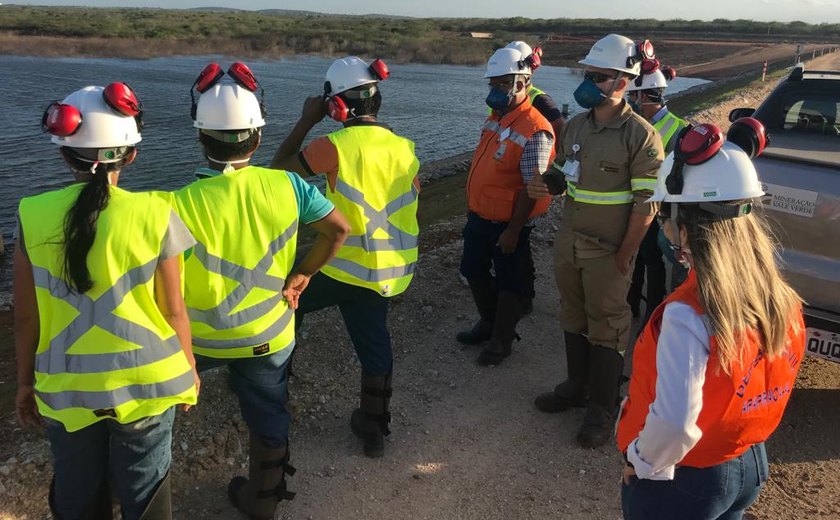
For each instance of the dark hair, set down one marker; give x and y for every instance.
(80, 221)
(228, 151)
(364, 107)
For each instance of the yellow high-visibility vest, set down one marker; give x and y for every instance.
(245, 223)
(668, 127)
(375, 190)
(107, 353)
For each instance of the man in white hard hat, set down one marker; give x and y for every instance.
(516, 143)
(647, 97)
(546, 106)
(610, 158)
(371, 175)
(241, 289)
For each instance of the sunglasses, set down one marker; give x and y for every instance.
(597, 77)
(63, 120)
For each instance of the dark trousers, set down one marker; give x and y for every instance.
(261, 384)
(481, 252)
(721, 492)
(650, 260)
(365, 315)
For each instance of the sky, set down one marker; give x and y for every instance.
(811, 11)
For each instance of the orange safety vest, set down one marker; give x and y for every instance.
(495, 177)
(739, 410)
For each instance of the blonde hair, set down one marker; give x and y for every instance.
(739, 282)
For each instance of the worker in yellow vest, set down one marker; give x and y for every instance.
(241, 289)
(647, 97)
(101, 331)
(371, 175)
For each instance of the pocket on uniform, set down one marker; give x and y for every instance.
(609, 167)
(703, 483)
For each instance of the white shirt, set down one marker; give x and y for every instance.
(670, 431)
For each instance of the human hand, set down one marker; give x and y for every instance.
(296, 283)
(537, 188)
(508, 240)
(26, 409)
(624, 259)
(629, 471)
(314, 109)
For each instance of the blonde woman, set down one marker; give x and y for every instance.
(715, 365)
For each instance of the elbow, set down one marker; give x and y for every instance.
(342, 231)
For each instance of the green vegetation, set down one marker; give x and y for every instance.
(403, 39)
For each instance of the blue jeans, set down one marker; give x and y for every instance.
(480, 251)
(133, 457)
(261, 385)
(721, 492)
(365, 314)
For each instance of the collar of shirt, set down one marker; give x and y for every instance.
(616, 122)
(204, 173)
(659, 115)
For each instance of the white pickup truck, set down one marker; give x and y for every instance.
(800, 170)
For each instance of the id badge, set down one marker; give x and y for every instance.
(571, 169)
(500, 151)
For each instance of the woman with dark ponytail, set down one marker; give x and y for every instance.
(101, 331)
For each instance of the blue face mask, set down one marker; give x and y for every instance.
(637, 108)
(588, 95)
(499, 99)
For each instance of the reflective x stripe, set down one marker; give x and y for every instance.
(372, 275)
(642, 184)
(93, 400)
(378, 219)
(604, 198)
(100, 313)
(222, 317)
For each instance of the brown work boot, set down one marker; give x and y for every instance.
(571, 393)
(258, 495)
(606, 366)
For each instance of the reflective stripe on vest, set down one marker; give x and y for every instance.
(667, 127)
(375, 191)
(603, 198)
(107, 353)
(517, 138)
(246, 225)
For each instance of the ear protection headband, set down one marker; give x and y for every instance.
(644, 51)
(695, 145)
(64, 120)
(238, 71)
(336, 106)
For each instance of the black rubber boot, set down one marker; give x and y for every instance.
(484, 296)
(100, 508)
(606, 367)
(370, 421)
(571, 393)
(160, 505)
(508, 312)
(258, 495)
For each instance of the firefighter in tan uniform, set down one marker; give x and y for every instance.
(609, 156)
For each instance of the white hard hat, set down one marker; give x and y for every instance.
(656, 79)
(728, 176)
(506, 61)
(227, 106)
(101, 126)
(347, 73)
(521, 46)
(614, 52)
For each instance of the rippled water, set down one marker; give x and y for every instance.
(439, 107)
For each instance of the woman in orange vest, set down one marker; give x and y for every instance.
(714, 367)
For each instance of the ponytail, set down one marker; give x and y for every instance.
(80, 222)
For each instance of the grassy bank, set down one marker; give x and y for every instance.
(141, 33)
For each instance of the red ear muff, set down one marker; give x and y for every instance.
(535, 59)
(695, 145)
(61, 120)
(644, 51)
(208, 77)
(749, 134)
(337, 109)
(123, 100)
(242, 75)
(669, 73)
(649, 66)
(379, 70)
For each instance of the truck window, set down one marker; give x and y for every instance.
(812, 114)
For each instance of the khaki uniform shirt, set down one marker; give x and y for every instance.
(621, 156)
